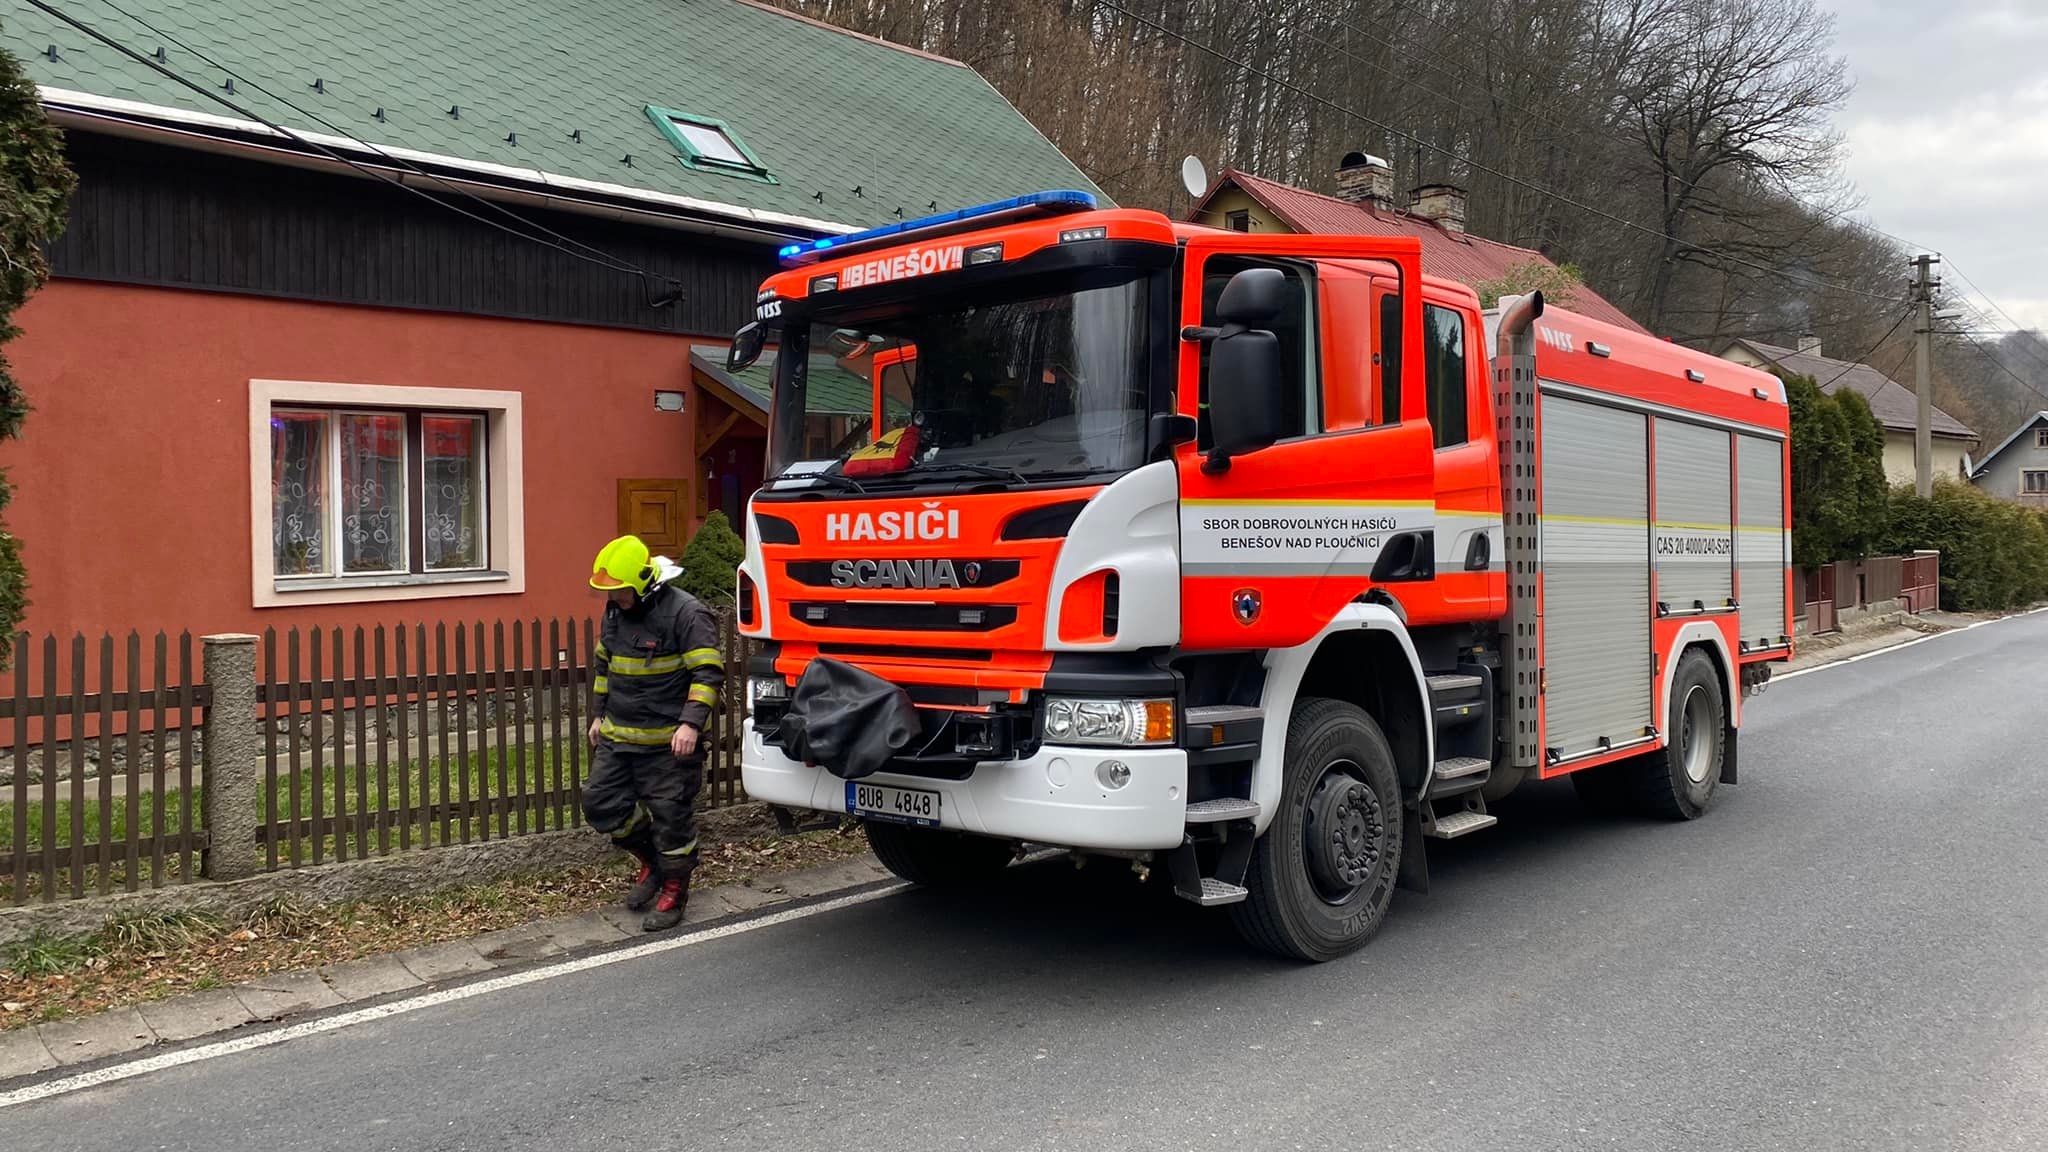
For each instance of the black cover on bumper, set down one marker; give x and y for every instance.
(848, 720)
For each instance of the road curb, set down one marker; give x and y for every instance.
(284, 995)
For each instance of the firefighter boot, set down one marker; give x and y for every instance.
(668, 906)
(640, 845)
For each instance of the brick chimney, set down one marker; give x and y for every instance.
(1809, 345)
(1440, 204)
(1366, 180)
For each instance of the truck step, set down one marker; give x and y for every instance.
(1446, 682)
(1456, 824)
(1217, 892)
(1227, 808)
(1224, 714)
(1458, 767)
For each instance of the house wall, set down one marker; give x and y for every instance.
(134, 475)
(2002, 477)
(1945, 457)
(1234, 199)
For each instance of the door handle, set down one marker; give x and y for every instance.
(1407, 557)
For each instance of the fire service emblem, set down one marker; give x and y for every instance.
(1244, 604)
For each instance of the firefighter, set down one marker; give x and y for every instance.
(657, 677)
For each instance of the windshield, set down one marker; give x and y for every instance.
(1021, 387)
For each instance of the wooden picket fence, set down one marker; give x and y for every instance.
(101, 794)
(373, 741)
(380, 740)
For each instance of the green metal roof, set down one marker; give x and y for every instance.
(823, 110)
(831, 389)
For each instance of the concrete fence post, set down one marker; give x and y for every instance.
(231, 803)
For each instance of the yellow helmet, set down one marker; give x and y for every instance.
(623, 563)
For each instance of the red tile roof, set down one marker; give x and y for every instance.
(1456, 256)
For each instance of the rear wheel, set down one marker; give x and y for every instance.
(1322, 876)
(1677, 782)
(936, 857)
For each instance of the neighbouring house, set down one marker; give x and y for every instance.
(271, 386)
(2017, 469)
(1894, 404)
(1365, 206)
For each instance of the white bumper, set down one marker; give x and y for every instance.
(1051, 798)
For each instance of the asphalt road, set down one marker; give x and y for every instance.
(1849, 952)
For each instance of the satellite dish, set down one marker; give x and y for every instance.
(1193, 176)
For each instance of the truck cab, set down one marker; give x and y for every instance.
(1184, 546)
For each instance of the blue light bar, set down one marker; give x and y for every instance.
(1017, 207)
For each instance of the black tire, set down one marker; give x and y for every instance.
(1677, 782)
(1339, 774)
(935, 857)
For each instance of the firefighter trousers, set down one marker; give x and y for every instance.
(645, 799)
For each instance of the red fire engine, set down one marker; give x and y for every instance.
(1256, 559)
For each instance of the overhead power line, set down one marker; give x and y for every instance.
(1999, 364)
(598, 254)
(1859, 361)
(1453, 154)
(561, 244)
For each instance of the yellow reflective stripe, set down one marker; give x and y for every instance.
(626, 735)
(632, 822)
(699, 657)
(704, 694)
(645, 666)
(600, 686)
(685, 850)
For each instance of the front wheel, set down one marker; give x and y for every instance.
(935, 857)
(1322, 876)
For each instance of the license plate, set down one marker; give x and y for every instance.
(902, 805)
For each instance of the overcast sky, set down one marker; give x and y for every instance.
(1948, 135)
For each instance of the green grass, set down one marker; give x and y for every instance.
(42, 954)
(159, 931)
(518, 792)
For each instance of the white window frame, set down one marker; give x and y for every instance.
(2041, 437)
(483, 451)
(503, 495)
(337, 499)
(2027, 476)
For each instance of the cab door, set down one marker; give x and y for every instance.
(1279, 539)
(1471, 568)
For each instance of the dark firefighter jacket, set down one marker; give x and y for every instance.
(657, 666)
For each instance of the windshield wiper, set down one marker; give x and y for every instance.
(989, 470)
(834, 478)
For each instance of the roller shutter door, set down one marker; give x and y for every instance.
(1695, 518)
(1596, 575)
(1762, 548)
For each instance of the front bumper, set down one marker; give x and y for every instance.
(1051, 797)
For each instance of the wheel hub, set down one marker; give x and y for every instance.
(1346, 827)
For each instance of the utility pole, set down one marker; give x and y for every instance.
(1923, 339)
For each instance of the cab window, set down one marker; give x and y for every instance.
(1295, 327)
(1443, 337)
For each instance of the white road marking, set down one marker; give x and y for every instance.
(1905, 644)
(147, 1064)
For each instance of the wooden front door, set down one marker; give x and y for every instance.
(657, 511)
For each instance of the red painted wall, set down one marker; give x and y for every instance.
(132, 477)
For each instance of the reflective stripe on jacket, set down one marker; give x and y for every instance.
(658, 665)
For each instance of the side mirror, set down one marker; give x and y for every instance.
(746, 346)
(1253, 298)
(1245, 370)
(1245, 378)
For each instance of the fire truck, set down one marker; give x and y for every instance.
(1255, 560)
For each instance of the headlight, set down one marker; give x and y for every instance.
(1108, 722)
(765, 688)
